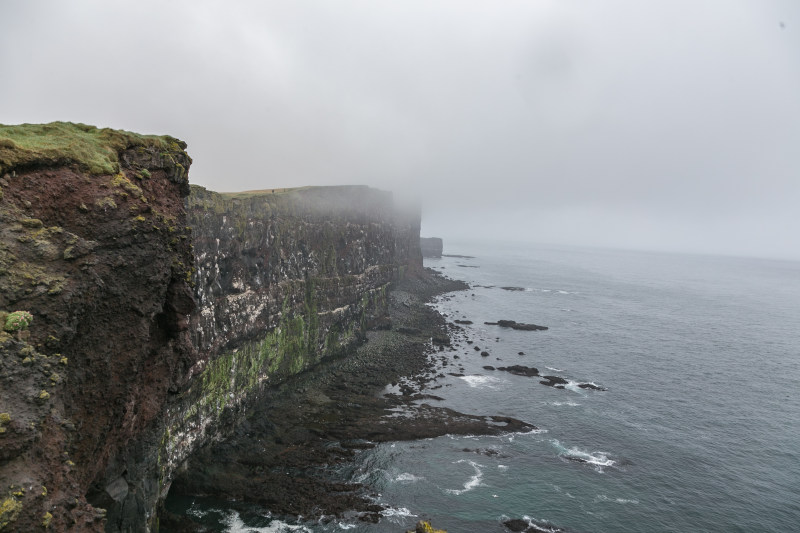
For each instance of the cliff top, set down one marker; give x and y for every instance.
(313, 188)
(94, 150)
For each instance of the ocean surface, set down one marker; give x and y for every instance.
(698, 430)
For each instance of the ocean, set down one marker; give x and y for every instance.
(698, 429)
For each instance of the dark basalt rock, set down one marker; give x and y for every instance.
(488, 367)
(485, 354)
(516, 325)
(520, 370)
(591, 386)
(441, 340)
(554, 381)
(513, 289)
(518, 525)
(431, 246)
(463, 321)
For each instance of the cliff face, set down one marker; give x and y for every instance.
(160, 319)
(283, 279)
(93, 242)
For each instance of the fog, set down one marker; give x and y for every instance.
(660, 125)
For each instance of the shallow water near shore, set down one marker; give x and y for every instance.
(697, 430)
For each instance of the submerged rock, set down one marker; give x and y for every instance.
(517, 325)
(518, 525)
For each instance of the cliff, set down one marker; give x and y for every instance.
(94, 243)
(161, 314)
(431, 246)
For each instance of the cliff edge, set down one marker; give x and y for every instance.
(94, 244)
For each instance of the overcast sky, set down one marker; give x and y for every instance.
(666, 125)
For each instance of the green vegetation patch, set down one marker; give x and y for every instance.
(94, 150)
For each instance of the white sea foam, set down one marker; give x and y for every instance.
(542, 526)
(235, 525)
(407, 477)
(474, 481)
(604, 498)
(598, 459)
(510, 436)
(477, 381)
(570, 404)
(400, 512)
(502, 467)
(343, 525)
(554, 369)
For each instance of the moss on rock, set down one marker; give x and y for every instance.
(94, 150)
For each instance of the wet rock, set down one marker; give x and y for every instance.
(519, 326)
(554, 381)
(441, 340)
(463, 321)
(520, 370)
(485, 354)
(518, 525)
(591, 386)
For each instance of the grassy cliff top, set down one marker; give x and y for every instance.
(260, 192)
(94, 150)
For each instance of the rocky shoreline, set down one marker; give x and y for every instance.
(279, 458)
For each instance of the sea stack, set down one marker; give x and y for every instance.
(431, 246)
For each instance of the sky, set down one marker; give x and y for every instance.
(669, 125)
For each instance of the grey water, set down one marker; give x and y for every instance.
(698, 430)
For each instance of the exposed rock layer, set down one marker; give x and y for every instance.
(141, 350)
(102, 262)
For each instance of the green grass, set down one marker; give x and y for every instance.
(94, 150)
(260, 192)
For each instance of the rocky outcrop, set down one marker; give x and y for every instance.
(160, 317)
(93, 242)
(431, 246)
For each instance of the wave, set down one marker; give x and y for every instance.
(559, 404)
(478, 381)
(234, 524)
(604, 498)
(397, 512)
(554, 369)
(541, 526)
(597, 459)
(407, 477)
(474, 481)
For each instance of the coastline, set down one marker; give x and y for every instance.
(329, 413)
